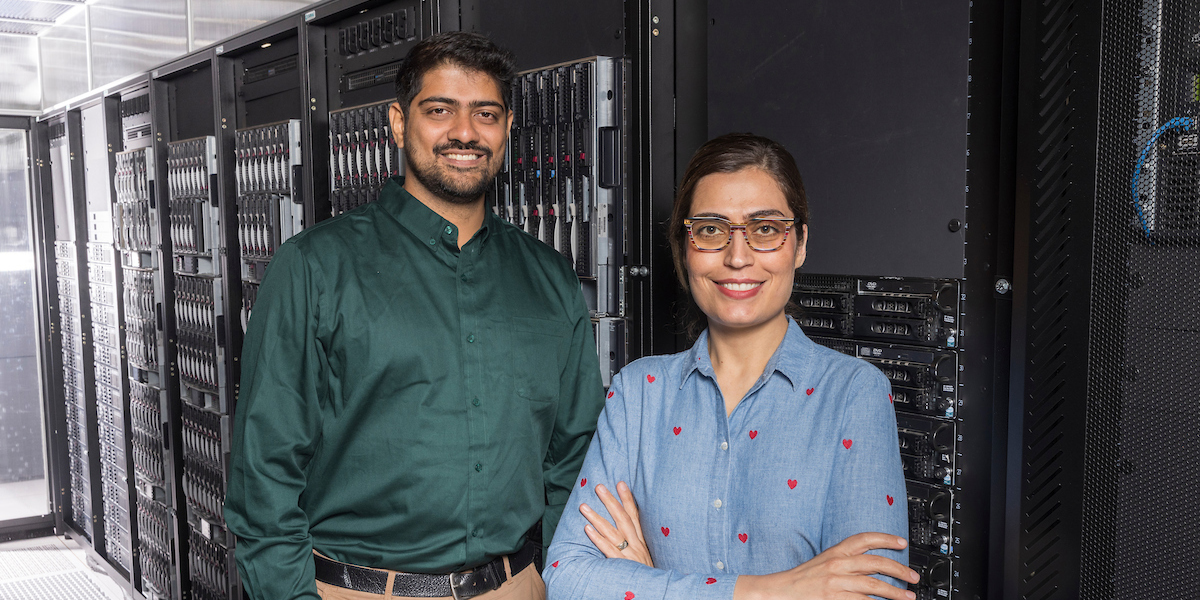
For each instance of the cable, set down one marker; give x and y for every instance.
(1186, 123)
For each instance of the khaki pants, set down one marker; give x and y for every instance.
(527, 585)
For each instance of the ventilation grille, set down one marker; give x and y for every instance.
(1141, 534)
(370, 77)
(137, 132)
(1053, 235)
(271, 69)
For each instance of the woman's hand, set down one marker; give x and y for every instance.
(842, 571)
(608, 538)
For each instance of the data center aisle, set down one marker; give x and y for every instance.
(51, 568)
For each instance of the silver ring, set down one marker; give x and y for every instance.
(624, 545)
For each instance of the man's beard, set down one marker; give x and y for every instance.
(435, 179)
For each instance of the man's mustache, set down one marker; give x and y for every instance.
(461, 146)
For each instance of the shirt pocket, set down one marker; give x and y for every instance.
(539, 351)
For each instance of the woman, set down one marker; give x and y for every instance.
(756, 454)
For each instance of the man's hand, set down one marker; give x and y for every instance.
(843, 571)
(608, 538)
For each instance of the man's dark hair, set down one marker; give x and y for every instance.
(470, 51)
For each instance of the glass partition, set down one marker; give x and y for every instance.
(24, 491)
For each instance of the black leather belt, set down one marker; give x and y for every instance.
(480, 580)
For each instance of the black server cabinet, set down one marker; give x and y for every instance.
(263, 118)
(894, 116)
(74, 160)
(100, 130)
(199, 310)
(354, 50)
(59, 191)
(569, 177)
(136, 214)
(1106, 313)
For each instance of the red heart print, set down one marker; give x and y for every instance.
(743, 537)
(666, 531)
(753, 433)
(650, 378)
(610, 394)
(628, 595)
(847, 443)
(710, 581)
(809, 391)
(677, 430)
(890, 500)
(792, 483)
(554, 564)
(583, 483)
(891, 400)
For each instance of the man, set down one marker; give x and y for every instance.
(419, 380)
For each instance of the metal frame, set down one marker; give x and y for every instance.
(1052, 267)
(17, 528)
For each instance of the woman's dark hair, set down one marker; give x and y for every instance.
(731, 153)
(470, 51)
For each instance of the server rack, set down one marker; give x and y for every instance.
(263, 121)
(104, 279)
(908, 273)
(353, 50)
(71, 298)
(137, 213)
(563, 182)
(196, 303)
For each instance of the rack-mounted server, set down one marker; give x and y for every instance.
(362, 155)
(909, 329)
(198, 298)
(103, 283)
(135, 219)
(269, 204)
(562, 180)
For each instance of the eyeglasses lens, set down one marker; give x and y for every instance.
(763, 234)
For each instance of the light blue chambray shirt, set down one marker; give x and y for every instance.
(808, 458)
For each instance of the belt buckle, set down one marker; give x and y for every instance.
(464, 586)
(457, 579)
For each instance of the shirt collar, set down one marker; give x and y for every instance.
(428, 226)
(791, 358)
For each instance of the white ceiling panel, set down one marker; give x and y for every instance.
(215, 20)
(19, 87)
(64, 60)
(129, 36)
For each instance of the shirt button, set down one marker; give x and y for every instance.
(724, 445)
(475, 533)
(475, 402)
(717, 503)
(471, 339)
(432, 242)
(449, 230)
(720, 565)
(478, 467)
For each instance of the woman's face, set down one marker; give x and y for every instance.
(738, 287)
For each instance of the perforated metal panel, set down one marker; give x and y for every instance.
(1141, 523)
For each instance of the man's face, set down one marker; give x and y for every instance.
(454, 134)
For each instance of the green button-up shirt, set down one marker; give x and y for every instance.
(407, 404)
